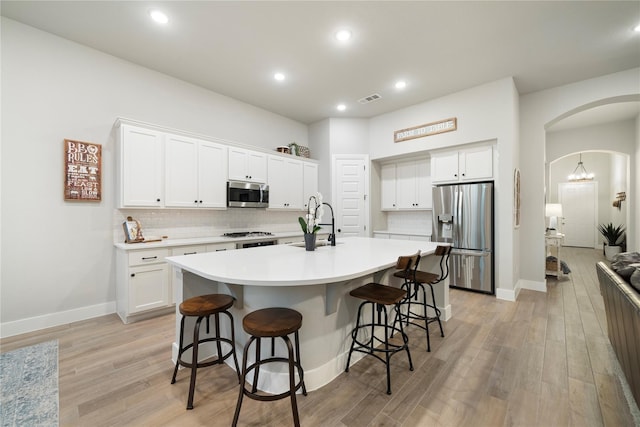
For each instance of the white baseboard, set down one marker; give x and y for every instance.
(533, 286)
(50, 320)
(507, 294)
(512, 294)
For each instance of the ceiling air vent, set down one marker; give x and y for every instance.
(370, 98)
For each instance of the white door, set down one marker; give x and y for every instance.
(579, 213)
(350, 193)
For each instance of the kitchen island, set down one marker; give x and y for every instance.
(316, 283)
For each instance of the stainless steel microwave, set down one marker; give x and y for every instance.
(247, 195)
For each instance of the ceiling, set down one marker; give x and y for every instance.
(235, 47)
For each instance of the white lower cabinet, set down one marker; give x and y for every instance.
(387, 235)
(148, 288)
(410, 237)
(143, 283)
(188, 250)
(220, 247)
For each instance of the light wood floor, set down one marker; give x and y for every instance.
(544, 360)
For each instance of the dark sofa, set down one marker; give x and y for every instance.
(622, 306)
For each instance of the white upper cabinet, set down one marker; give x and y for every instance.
(181, 172)
(160, 169)
(388, 186)
(140, 167)
(212, 175)
(285, 183)
(195, 173)
(413, 185)
(406, 186)
(247, 165)
(309, 182)
(469, 164)
(476, 163)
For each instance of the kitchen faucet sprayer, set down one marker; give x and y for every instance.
(332, 236)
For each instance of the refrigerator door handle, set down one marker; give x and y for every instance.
(458, 219)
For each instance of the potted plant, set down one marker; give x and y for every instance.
(310, 226)
(613, 237)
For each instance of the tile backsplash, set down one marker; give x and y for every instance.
(190, 223)
(409, 221)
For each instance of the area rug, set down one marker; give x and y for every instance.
(29, 386)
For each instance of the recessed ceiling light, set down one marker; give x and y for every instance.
(341, 107)
(401, 84)
(279, 77)
(159, 17)
(343, 35)
(637, 28)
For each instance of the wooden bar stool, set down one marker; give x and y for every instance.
(202, 307)
(272, 323)
(414, 281)
(379, 297)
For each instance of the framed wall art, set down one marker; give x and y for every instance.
(82, 171)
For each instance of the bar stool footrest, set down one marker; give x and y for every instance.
(368, 347)
(217, 361)
(271, 397)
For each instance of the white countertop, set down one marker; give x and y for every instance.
(167, 243)
(288, 265)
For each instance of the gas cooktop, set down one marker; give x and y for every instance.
(247, 234)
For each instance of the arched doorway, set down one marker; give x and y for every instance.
(605, 135)
(589, 203)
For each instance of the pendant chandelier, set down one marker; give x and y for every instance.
(580, 173)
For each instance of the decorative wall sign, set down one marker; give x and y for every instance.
(434, 128)
(82, 171)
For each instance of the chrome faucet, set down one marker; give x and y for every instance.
(332, 236)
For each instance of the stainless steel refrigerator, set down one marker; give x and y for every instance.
(463, 216)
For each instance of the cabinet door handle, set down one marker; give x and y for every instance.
(462, 174)
(189, 253)
(157, 200)
(218, 250)
(149, 257)
(200, 201)
(133, 274)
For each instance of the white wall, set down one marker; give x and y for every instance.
(57, 257)
(633, 198)
(537, 111)
(320, 145)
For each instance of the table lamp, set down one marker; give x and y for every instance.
(553, 211)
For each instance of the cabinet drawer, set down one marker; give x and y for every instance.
(220, 247)
(188, 250)
(150, 256)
